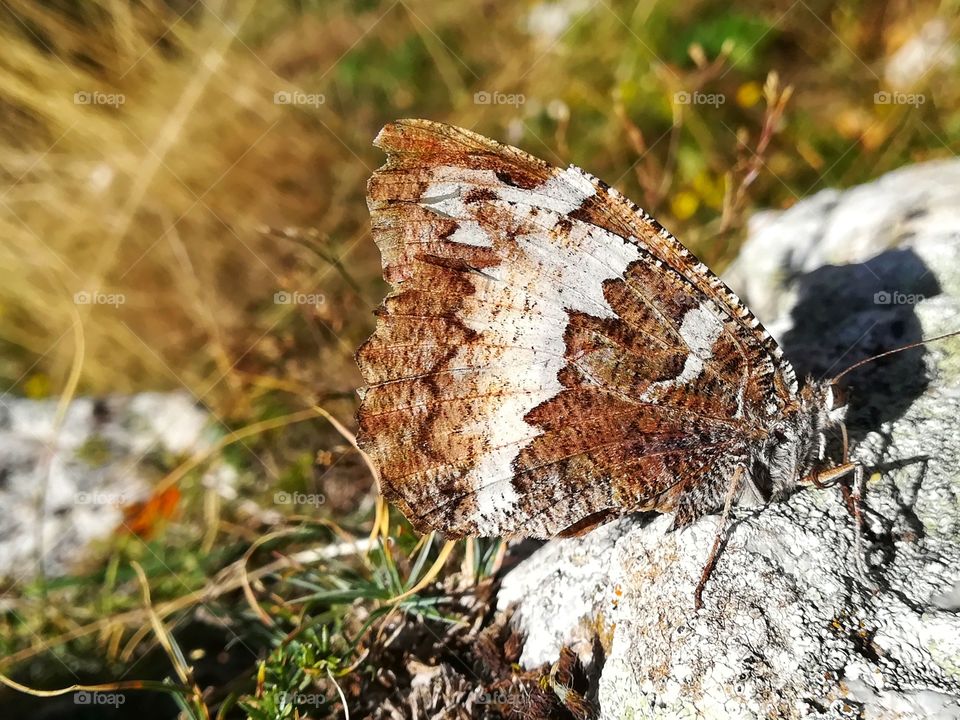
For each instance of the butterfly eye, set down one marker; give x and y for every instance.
(837, 397)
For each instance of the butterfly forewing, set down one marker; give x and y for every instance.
(549, 357)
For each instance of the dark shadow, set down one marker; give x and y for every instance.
(850, 312)
(909, 527)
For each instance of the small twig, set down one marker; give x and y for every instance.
(751, 162)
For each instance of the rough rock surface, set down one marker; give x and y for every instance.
(789, 628)
(62, 487)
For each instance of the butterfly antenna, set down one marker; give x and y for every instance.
(870, 359)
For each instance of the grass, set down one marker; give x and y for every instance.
(161, 204)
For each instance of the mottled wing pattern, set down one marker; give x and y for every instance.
(550, 357)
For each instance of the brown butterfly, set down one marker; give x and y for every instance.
(550, 357)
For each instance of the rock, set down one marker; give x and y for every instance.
(789, 627)
(548, 21)
(62, 488)
(930, 49)
(562, 617)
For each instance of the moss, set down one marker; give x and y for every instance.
(95, 451)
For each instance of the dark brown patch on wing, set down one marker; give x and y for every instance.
(519, 178)
(478, 195)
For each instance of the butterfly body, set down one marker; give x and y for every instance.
(550, 357)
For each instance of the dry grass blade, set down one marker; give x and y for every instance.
(381, 518)
(102, 687)
(179, 662)
(256, 428)
(430, 575)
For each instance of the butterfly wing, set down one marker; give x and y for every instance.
(549, 357)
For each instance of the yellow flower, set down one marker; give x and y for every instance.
(709, 189)
(684, 204)
(749, 94)
(37, 386)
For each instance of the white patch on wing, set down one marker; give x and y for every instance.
(470, 233)
(700, 329)
(522, 304)
(563, 193)
(446, 198)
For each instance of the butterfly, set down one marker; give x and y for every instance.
(551, 358)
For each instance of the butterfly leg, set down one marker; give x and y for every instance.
(854, 500)
(856, 504)
(711, 563)
(843, 468)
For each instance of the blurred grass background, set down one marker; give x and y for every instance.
(195, 159)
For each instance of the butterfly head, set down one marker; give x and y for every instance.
(796, 441)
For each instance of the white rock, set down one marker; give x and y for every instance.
(930, 49)
(61, 488)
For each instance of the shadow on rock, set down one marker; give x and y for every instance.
(847, 313)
